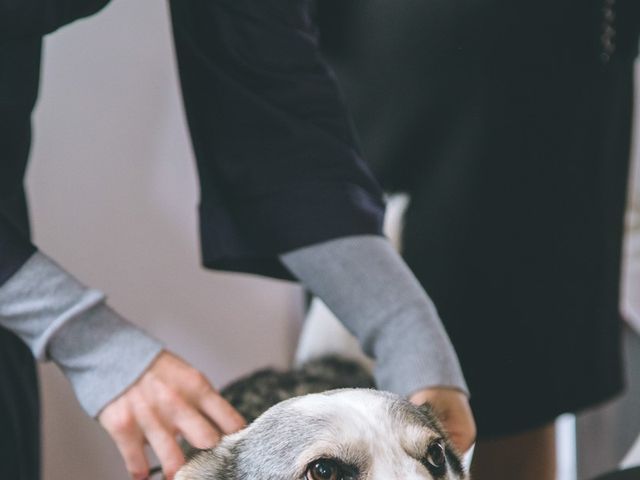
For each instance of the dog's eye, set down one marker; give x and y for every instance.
(323, 469)
(436, 456)
(330, 469)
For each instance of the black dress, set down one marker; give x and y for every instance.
(508, 123)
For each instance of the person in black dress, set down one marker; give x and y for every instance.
(508, 124)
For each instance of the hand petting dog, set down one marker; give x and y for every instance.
(170, 398)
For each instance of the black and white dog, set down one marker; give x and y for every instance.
(297, 433)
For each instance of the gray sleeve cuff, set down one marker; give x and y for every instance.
(102, 355)
(411, 357)
(61, 320)
(367, 285)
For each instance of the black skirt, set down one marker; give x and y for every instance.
(508, 123)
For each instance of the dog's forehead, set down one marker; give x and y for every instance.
(361, 404)
(364, 415)
(342, 402)
(358, 427)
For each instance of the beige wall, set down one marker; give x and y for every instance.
(113, 196)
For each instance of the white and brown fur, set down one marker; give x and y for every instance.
(367, 434)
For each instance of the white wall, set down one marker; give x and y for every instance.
(113, 195)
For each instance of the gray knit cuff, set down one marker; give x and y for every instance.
(102, 355)
(410, 359)
(62, 320)
(367, 285)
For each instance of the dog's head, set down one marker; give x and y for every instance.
(350, 434)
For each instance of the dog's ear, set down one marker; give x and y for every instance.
(218, 463)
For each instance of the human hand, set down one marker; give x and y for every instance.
(453, 410)
(170, 398)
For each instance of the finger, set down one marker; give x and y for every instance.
(221, 412)
(457, 441)
(193, 426)
(162, 441)
(461, 435)
(464, 441)
(129, 439)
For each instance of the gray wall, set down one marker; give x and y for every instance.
(113, 196)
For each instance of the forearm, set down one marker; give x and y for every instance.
(62, 320)
(372, 291)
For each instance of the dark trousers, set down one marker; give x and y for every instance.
(19, 411)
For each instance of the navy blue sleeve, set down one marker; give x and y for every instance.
(15, 249)
(278, 163)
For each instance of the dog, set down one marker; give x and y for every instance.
(297, 431)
